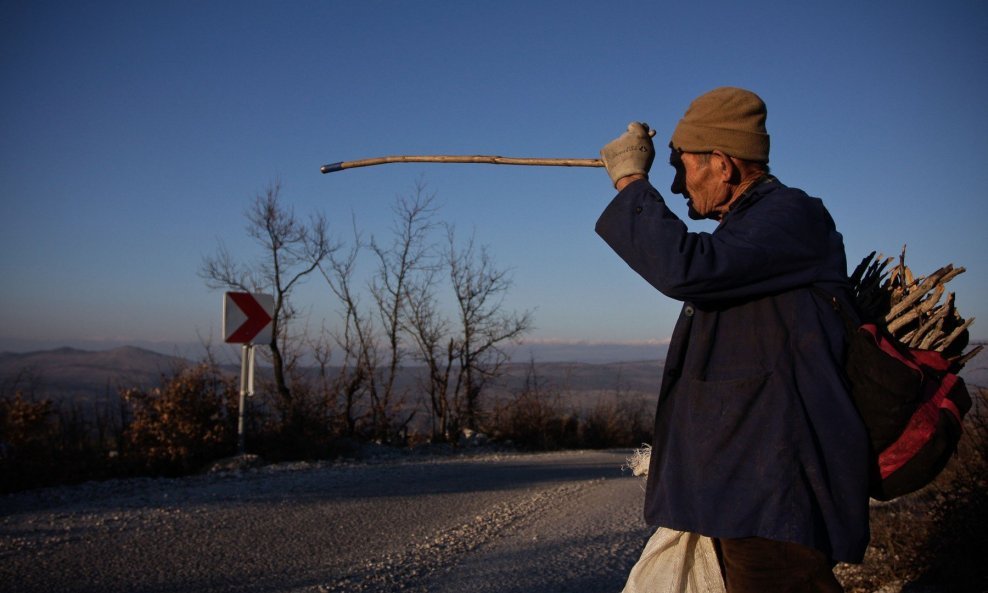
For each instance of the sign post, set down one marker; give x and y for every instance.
(247, 320)
(246, 390)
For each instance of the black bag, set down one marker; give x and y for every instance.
(911, 404)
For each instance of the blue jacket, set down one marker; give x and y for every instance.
(755, 431)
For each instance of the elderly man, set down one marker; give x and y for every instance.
(757, 443)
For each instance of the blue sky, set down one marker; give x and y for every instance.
(135, 134)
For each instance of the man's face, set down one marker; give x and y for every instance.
(697, 180)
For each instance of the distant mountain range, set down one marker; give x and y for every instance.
(98, 375)
(86, 374)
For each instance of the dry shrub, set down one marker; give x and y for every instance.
(43, 444)
(189, 421)
(28, 437)
(535, 419)
(621, 421)
(304, 431)
(959, 515)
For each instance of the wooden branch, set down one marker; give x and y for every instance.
(964, 359)
(924, 337)
(480, 158)
(927, 285)
(955, 334)
(918, 311)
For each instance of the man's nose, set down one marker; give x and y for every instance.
(677, 185)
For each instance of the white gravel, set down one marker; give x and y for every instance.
(507, 523)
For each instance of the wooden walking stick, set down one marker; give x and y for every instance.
(478, 158)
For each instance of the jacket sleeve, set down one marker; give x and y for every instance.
(784, 240)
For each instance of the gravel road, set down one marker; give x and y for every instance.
(506, 523)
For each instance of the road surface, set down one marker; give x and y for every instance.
(506, 523)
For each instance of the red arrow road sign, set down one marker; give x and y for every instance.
(247, 318)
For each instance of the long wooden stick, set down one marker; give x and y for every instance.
(479, 158)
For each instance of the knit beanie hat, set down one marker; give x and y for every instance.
(728, 119)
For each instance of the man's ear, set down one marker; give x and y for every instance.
(725, 167)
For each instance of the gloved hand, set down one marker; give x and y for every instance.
(630, 153)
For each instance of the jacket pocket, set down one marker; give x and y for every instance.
(719, 410)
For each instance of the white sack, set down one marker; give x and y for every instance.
(676, 562)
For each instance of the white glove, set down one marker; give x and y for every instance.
(630, 153)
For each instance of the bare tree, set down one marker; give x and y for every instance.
(338, 388)
(371, 340)
(354, 339)
(462, 355)
(437, 349)
(291, 250)
(407, 255)
(480, 288)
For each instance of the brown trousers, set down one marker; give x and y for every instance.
(757, 565)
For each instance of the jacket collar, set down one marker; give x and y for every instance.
(765, 184)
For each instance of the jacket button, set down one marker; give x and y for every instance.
(638, 210)
(688, 310)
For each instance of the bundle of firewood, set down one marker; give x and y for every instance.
(913, 308)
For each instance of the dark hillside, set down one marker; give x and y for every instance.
(87, 375)
(82, 374)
